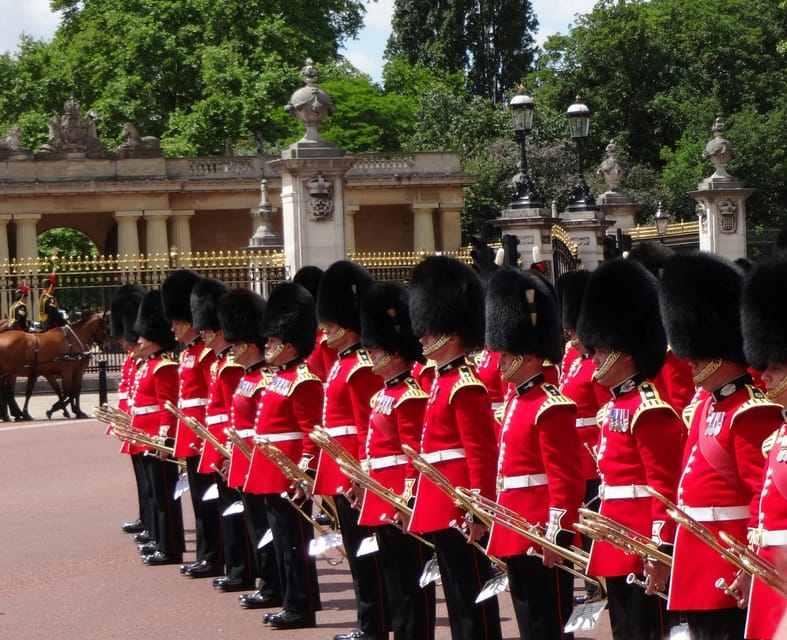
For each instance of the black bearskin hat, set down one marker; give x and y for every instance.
(339, 295)
(204, 301)
(385, 321)
(763, 313)
(151, 323)
(570, 287)
(652, 255)
(176, 294)
(521, 316)
(700, 306)
(446, 296)
(309, 278)
(620, 311)
(290, 315)
(240, 314)
(123, 312)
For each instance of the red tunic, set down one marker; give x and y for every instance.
(424, 374)
(458, 437)
(536, 468)
(640, 445)
(322, 358)
(577, 383)
(722, 468)
(675, 382)
(194, 376)
(397, 418)
(242, 418)
(128, 373)
(225, 376)
(347, 405)
(488, 372)
(569, 355)
(289, 408)
(766, 606)
(156, 382)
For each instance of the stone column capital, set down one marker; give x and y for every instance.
(127, 215)
(181, 213)
(29, 218)
(157, 214)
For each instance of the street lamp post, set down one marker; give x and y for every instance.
(662, 221)
(579, 126)
(527, 195)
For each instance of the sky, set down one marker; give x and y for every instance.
(34, 18)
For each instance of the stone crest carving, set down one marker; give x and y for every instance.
(321, 198)
(137, 146)
(73, 133)
(702, 214)
(728, 216)
(11, 146)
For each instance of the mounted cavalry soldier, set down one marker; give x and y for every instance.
(18, 317)
(50, 314)
(723, 464)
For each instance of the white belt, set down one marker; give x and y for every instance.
(586, 422)
(385, 462)
(141, 411)
(521, 482)
(220, 417)
(245, 433)
(444, 455)
(122, 395)
(193, 402)
(607, 492)
(716, 514)
(283, 437)
(765, 538)
(341, 431)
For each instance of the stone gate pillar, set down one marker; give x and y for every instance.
(128, 234)
(156, 232)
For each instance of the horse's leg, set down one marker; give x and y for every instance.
(4, 401)
(77, 374)
(31, 383)
(13, 407)
(62, 399)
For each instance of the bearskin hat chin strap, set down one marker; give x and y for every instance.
(516, 362)
(777, 390)
(707, 371)
(439, 344)
(603, 370)
(384, 361)
(336, 336)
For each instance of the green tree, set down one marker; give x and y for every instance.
(64, 243)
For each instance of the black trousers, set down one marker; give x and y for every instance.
(543, 598)
(142, 491)
(264, 557)
(370, 598)
(297, 569)
(235, 535)
(167, 521)
(207, 518)
(633, 615)
(716, 624)
(412, 608)
(464, 570)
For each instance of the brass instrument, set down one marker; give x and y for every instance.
(514, 521)
(605, 529)
(239, 442)
(333, 448)
(760, 568)
(112, 415)
(199, 429)
(431, 473)
(633, 579)
(365, 481)
(138, 437)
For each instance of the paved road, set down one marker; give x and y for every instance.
(69, 573)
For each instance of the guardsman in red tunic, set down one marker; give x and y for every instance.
(240, 314)
(193, 380)
(764, 310)
(225, 376)
(348, 392)
(539, 451)
(289, 408)
(322, 357)
(156, 382)
(122, 316)
(723, 464)
(458, 437)
(396, 419)
(640, 443)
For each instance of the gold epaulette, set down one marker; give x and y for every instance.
(204, 353)
(769, 443)
(688, 413)
(554, 398)
(413, 391)
(375, 395)
(475, 358)
(757, 400)
(364, 361)
(467, 378)
(165, 361)
(650, 400)
(304, 374)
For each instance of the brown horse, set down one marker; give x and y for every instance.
(62, 351)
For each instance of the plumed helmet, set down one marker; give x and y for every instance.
(176, 295)
(521, 316)
(570, 288)
(204, 302)
(763, 313)
(23, 290)
(339, 294)
(240, 314)
(290, 315)
(620, 311)
(123, 312)
(49, 281)
(385, 321)
(700, 306)
(151, 323)
(446, 296)
(309, 278)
